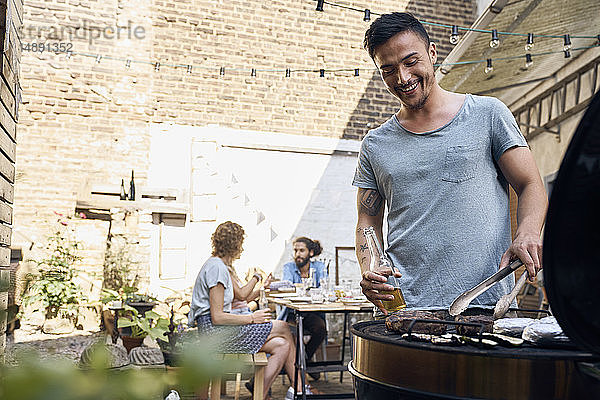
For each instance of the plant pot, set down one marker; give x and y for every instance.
(129, 342)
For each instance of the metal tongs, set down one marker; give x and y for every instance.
(461, 303)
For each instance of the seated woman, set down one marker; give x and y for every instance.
(250, 333)
(244, 294)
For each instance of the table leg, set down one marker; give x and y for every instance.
(301, 354)
(115, 335)
(344, 343)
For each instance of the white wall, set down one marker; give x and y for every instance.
(277, 186)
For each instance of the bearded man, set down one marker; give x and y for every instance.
(304, 267)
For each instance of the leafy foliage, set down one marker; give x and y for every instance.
(151, 324)
(53, 288)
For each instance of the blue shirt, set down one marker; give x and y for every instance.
(213, 272)
(292, 273)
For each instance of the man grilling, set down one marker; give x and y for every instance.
(442, 164)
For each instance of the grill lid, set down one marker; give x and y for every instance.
(572, 235)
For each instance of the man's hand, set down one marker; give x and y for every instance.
(527, 248)
(374, 283)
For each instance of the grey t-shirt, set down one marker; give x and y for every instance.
(447, 200)
(212, 272)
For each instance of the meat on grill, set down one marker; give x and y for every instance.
(486, 320)
(401, 320)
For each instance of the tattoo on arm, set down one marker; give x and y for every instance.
(363, 248)
(371, 202)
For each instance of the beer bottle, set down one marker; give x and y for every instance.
(378, 261)
(123, 194)
(132, 188)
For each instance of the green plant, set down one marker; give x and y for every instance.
(150, 324)
(120, 267)
(53, 288)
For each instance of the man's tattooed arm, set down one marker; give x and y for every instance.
(370, 213)
(370, 201)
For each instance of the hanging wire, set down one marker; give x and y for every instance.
(464, 28)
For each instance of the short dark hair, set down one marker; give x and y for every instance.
(313, 245)
(388, 25)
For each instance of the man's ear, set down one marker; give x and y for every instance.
(432, 52)
(311, 253)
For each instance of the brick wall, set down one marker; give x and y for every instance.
(89, 122)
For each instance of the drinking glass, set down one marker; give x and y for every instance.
(316, 295)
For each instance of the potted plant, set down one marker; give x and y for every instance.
(149, 324)
(53, 288)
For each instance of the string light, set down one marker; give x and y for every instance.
(567, 45)
(157, 67)
(567, 53)
(443, 67)
(454, 35)
(528, 61)
(529, 44)
(98, 58)
(367, 16)
(322, 73)
(253, 72)
(320, 5)
(489, 67)
(495, 42)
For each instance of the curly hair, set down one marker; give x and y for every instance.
(227, 240)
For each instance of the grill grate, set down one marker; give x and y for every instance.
(376, 330)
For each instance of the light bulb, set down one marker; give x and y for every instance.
(567, 45)
(288, 72)
(157, 67)
(528, 61)
(529, 44)
(253, 72)
(320, 5)
(189, 69)
(495, 42)
(367, 16)
(128, 63)
(454, 35)
(489, 67)
(98, 59)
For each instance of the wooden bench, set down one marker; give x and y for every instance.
(244, 362)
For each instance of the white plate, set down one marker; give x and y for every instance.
(301, 299)
(292, 294)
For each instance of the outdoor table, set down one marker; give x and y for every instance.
(302, 309)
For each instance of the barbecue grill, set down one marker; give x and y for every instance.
(386, 365)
